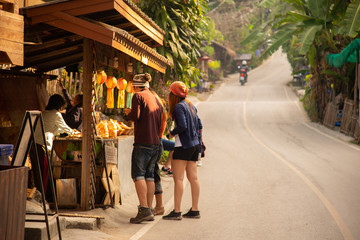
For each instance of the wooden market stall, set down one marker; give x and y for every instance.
(97, 33)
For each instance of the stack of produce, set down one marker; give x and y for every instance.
(112, 128)
(102, 129)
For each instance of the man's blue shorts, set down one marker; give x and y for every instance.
(143, 161)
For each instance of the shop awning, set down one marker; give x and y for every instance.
(57, 29)
(346, 55)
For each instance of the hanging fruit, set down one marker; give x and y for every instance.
(110, 84)
(129, 87)
(121, 85)
(101, 77)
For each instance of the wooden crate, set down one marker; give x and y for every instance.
(13, 190)
(330, 115)
(352, 127)
(357, 130)
(347, 116)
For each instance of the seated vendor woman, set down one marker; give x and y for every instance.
(53, 125)
(74, 110)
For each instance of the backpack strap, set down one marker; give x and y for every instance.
(192, 120)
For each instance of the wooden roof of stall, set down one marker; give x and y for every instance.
(56, 31)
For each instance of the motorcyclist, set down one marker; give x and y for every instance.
(243, 69)
(244, 66)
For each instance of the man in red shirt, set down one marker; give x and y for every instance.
(146, 112)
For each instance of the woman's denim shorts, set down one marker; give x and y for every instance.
(143, 161)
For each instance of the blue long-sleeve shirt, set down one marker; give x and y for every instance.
(184, 125)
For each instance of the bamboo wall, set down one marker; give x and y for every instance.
(73, 82)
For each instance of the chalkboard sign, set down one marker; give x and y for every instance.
(27, 137)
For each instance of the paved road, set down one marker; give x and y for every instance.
(269, 173)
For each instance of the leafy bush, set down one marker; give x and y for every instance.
(214, 65)
(309, 104)
(209, 50)
(164, 157)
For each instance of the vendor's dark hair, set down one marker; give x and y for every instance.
(80, 99)
(56, 101)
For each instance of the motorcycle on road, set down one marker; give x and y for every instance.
(243, 76)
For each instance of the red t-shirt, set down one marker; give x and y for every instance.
(146, 112)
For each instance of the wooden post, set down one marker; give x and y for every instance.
(86, 125)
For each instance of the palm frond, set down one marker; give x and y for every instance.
(316, 7)
(268, 3)
(352, 19)
(281, 37)
(173, 49)
(312, 56)
(173, 25)
(170, 58)
(297, 4)
(306, 38)
(253, 35)
(338, 10)
(296, 16)
(183, 56)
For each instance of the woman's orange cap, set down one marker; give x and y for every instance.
(179, 89)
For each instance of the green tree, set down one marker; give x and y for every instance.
(184, 23)
(311, 29)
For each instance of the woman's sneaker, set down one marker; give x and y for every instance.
(173, 216)
(192, 214)
(167, 170)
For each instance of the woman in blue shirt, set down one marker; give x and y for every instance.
(187, 149)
